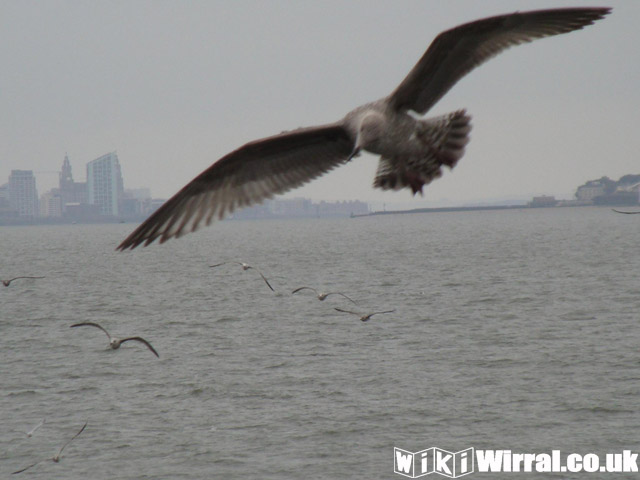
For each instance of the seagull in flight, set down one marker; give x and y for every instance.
(33, 430)
(6, 283)
(412, 149)
(626, 213)
(366, 316)
(56, 457)
(246, 266)
(116, 342)
(322, 295)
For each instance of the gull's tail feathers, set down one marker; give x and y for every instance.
(445, 137)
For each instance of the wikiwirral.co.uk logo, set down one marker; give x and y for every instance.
(458, 464)
(433, 460)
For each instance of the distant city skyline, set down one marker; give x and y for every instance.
(102, 197)
(72, 192)
(180, 84)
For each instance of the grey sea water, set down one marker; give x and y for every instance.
(513, 330)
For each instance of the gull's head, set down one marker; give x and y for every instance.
(371, 131)
(114, 343)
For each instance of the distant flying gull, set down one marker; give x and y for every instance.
(626, 213)
(321, 295)
(246, 266)
(116, 342)
(56, 457)
(6, 283)
(364, 317)
(33, 430)
(412, 150)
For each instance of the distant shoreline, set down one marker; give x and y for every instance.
(108, 219)
(457, 209)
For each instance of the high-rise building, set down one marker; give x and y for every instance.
(51, 204)
(70, 192)
(23, 195)
(104, 184)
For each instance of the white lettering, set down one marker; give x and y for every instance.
(463, 463)
(529, 458)
(516, 459)
(574, 463)
(556, 463)
(629, 461)
(489, 460)
(404, 462)
(543, 462)
(613, 462)
(506, 461)
(441, 463)
(590, 463)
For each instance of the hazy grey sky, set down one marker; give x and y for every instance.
(172, 86)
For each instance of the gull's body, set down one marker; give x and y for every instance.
(115, 343)
(34, 429)
(412, 150)
(57, 456)
(6, 283)
(245, 267)
(364, 316)
(321, 295)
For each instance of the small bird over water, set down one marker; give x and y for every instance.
(116, 342)
(363, 316)
(321, 295)
(6, 283)
(56, 457)
(412, 150)
(34, 429)
(246, 266)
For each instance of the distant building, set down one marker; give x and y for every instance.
(347, 207)
(71, 192)
(590, 190)
(291, 207)
(23, 196)
(543, 201)
(6, 211)
(104, 184)
(138, 193)
(301, 207)
(604, 191)
(4, 193)
(51, 204)
(136, 203)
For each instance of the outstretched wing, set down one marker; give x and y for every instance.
(457, 51)
(264, 278)
(90, 324)
(346, 311)
(626, 213)
(141, 340)
(26, 468)
(304, 288)
(72, 439)
(217, 265)
(378, 313)
(342, 294)
(253, 173)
